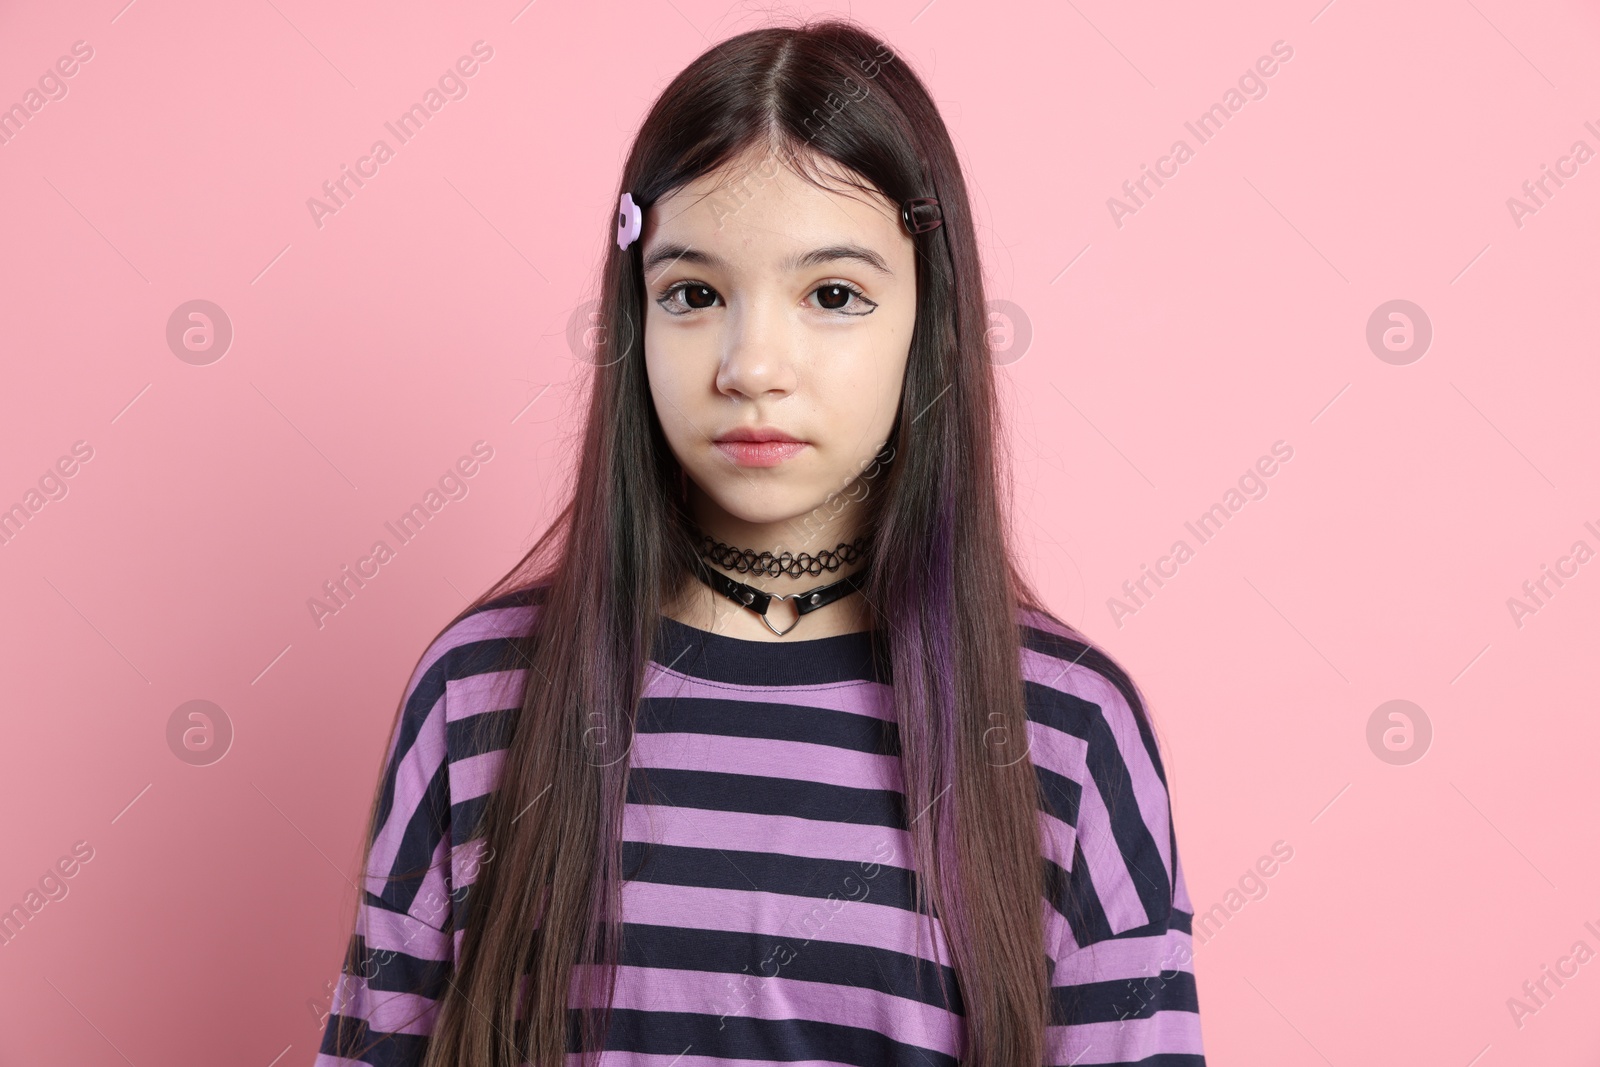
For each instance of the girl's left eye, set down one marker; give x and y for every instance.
(843, 292)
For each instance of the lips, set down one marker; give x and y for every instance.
(763, 446)
(757, 435)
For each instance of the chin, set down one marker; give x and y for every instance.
(760, 505)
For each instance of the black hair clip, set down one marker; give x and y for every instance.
(921, 214)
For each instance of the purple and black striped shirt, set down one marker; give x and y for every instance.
(772, 920)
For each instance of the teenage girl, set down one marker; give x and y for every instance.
(767, 752)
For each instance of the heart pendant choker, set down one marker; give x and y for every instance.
(756, 600)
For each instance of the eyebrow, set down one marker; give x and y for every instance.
(672, 252)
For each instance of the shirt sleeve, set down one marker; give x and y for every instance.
(401, 954)
(1123, 983)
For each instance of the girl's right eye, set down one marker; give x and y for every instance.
(670, 304)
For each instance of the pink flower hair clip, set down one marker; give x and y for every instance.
(630, 220)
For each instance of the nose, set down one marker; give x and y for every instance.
(759, 349)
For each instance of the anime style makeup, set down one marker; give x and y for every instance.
(778, 321)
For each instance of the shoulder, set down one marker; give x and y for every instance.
(467, 669)
(476, 642)
(457, 704)
(1075, 688)
(1103, 784)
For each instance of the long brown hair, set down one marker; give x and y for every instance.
(943, 590)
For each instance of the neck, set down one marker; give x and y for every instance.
(697, 604)
(811, 534)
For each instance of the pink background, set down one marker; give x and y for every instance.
(1229, 312)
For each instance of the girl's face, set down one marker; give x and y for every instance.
(776, 307)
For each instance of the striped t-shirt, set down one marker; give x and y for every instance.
(773, 920)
